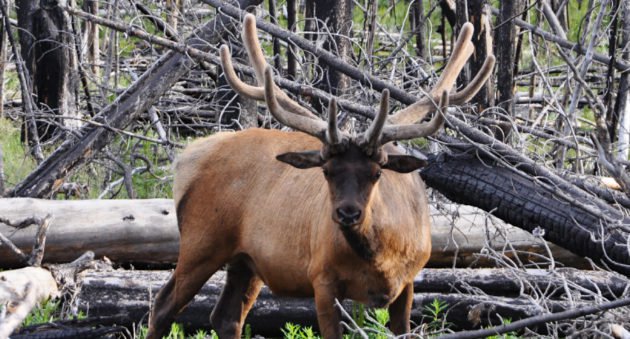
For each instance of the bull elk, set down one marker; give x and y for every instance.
(318, 212)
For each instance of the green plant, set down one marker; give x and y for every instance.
(436, 314)
(294, 331)
(43, 313)
(509, 335)
(247, 332)
(177, 332)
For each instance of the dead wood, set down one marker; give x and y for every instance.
(129, 293)
(540, 319)
(537, 208)
(135, 100)
(145, 231)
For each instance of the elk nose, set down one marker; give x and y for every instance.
(348, 215)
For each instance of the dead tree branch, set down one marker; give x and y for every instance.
(136, 99)
(533, 321)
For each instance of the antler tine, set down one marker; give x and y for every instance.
(252, 92)
(257, 59)
(252, 45)
(372, 136)
(475, 85)
(332, 133)
(412, 131)
(461, 52)
(316, 128)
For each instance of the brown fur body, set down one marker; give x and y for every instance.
(272, 223)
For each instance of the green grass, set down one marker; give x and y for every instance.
(17, 162)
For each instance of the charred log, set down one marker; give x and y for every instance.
(529, 205)
(130, 293)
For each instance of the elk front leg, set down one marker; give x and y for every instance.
(400, 311)
(328, 316)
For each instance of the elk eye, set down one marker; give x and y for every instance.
(325, 172)
(377, 174)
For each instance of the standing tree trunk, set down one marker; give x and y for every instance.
(25, 10)
(291, 21)
(477, 14)
(55, 67)
(417, 26)
(622, 106)
(337, 15)
(505, 49)
(3, 59)
(91, 37)
(1, 173)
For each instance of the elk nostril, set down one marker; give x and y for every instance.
(348, 215)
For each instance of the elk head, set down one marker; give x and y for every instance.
(353, 164)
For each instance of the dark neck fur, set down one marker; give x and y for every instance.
(358, 242)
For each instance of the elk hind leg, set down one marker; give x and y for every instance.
(196, 264)
(241, 289)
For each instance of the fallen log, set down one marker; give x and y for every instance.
(145, 232)
(130, 293)
(535, 207)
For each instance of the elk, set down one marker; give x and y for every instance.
(318, 212)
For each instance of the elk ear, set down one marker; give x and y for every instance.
(302, 160)
(404, 163)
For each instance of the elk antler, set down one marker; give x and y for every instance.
(258, 62)
(461, 52)
(401, 125)
(327, 133)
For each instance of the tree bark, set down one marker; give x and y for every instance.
(505, 47)
(479, 16)
(3, 58)
(55, 69)
(91, 38)
(418, 26)
(145, 232)
(337, 15)
(622, 106)
(50, 174)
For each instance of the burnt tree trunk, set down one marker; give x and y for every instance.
(418, 26)
(25, 11)
(54, 70)
(622, 105)
(531, 206)
(50, 174)
(505, 49)
(337, 15)
(91, 38)
(292, 22)
(476, 13)
(3, 58)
